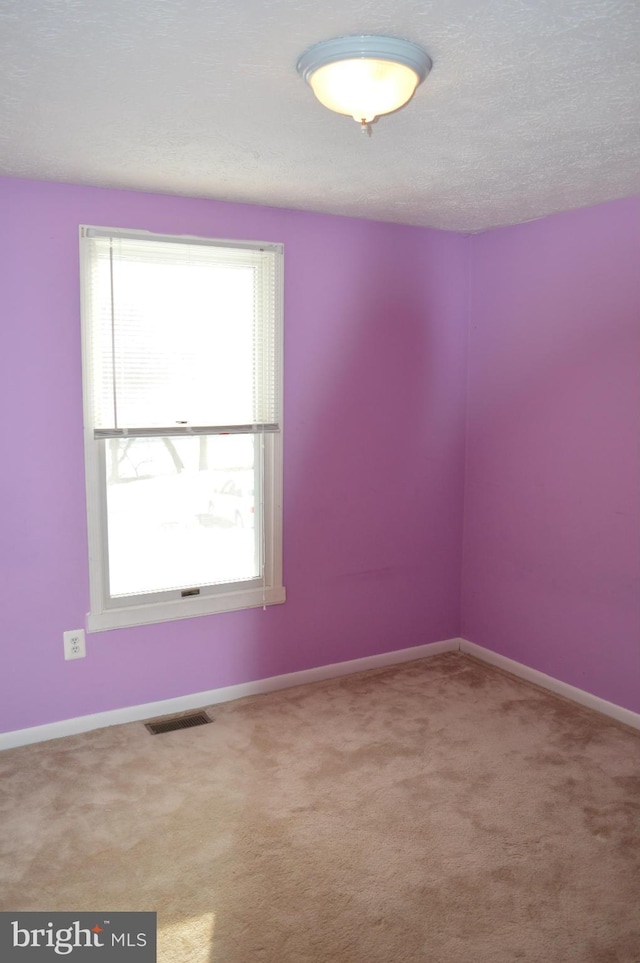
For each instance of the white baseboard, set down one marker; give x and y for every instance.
(583, 698)
(151, 710)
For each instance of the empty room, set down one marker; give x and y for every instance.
(320, 636)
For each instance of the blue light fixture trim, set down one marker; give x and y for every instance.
(365, 48)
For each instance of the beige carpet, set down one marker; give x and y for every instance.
(437, 811)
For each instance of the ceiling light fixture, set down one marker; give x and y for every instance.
(364, 77)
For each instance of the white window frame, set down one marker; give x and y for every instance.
(107, 613)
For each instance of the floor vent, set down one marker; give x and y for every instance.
(178, 722)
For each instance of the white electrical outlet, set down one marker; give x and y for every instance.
(74, 645)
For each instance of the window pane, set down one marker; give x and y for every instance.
(182, 512)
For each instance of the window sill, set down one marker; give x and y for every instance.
(187, 608)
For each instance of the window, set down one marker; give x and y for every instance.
(182, 360)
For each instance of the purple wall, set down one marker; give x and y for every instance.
(375, 392)
(551, 549)
(375, 364)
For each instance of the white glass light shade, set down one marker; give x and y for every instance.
(364, 77)
(364, 88)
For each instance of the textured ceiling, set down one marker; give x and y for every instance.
(532, 106)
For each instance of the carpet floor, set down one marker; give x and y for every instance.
(438, 811)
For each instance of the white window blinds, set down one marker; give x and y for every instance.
(182, 334)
